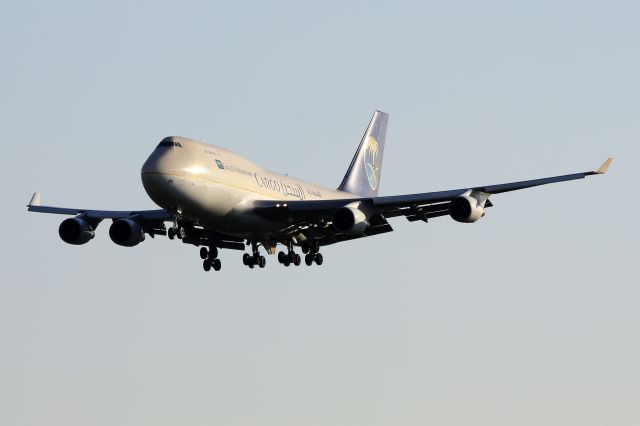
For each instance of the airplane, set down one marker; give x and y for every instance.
(216, 199)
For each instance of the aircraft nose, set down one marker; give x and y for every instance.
(152, 165)
(164, 159)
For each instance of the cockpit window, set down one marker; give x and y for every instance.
(169, 143)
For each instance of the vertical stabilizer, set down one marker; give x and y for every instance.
(363, 176)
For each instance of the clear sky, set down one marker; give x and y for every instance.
(528, 317)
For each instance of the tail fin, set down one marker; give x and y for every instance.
(363, 176)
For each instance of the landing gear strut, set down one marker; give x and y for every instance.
(251, 260)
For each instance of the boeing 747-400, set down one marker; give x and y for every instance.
(215, 199)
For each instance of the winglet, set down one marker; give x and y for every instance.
(604, 167)
(35, 200)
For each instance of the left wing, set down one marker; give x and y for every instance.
(414, 207)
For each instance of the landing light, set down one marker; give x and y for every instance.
(196, 170)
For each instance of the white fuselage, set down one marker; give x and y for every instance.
(217, 188)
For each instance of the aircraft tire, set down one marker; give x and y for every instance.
(246, 259)
(319, 259)
(206, 265)
(262, 262)
(204, 253)
(308, 259)
(217, 265)
(213, 252)
(182, 232)
(296, 259)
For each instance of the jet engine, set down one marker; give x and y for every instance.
(126, 232)
(76, 231)
(350, 219)
(465, 209)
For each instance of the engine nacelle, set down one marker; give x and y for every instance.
(126, 232)
(76, 231)
(350, 220)
(465, 209)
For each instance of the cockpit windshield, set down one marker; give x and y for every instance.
(169, 143)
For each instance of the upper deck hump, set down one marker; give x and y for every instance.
(203, 149)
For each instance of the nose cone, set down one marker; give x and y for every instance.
(168, 157)
(166, 162)
(155, 164)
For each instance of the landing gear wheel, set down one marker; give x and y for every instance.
(213, 252)
(281, 256)
(308, 259)
(314, 246)
(217, 264)
(262, 262)
(287, 261)
(305, 247)
(296, 259)
(206, 265)
(246, 259)
(182, 232)
(171, 233)
(318, 259)
(204, 253)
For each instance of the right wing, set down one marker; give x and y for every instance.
(152, 221)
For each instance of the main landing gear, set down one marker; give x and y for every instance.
(289, 258)
(312, 253)
(210, 258)
(311, 250)
(251, 260)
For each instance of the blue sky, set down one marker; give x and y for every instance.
(526, 317)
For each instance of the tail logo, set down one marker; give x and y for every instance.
(371, 165)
